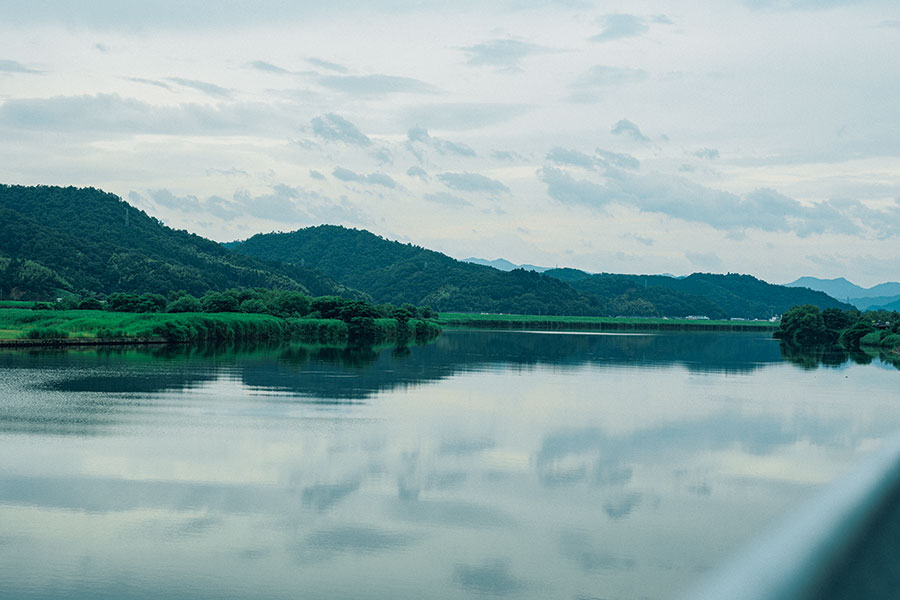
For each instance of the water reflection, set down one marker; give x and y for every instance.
(487, 464)
(812, 357)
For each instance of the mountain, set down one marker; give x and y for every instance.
(503, 265)
(891, 306)
(390, 271)
(875, 302)
(842, 289)
(701, 294)
(94, 241)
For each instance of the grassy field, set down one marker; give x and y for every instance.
(16, 304)
(89, 326)
(489, 321)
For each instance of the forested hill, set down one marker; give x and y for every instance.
(86, 239)
(715, 296)
(393, 272)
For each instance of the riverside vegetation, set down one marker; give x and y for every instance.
(59, 241)
(807, 326)
(233, 315)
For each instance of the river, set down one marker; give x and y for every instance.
(486, 464)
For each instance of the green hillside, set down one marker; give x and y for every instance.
(706, 294)
(397, 273)
(85, 239)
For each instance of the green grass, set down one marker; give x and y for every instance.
(85, 325)
(490, 321)
(16, 303)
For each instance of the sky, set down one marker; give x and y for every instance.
(748, 136)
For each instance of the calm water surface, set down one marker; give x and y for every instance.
(510, 464)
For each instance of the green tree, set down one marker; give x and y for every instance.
(90, 304)
(136, 303)
(803, 326)
(361, 331)
(850, 337)
(288, 304)
(836, 320)
(252, 305)
(184, 303)
(216, 302)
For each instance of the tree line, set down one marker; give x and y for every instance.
(807, 325)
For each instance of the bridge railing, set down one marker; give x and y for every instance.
(844, 544)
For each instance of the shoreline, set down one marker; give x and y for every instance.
(534, 322)
(62, 342)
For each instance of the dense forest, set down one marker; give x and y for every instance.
(58, 241)
(394, 272)
(86, 240)
(398, 273)
(706, 294)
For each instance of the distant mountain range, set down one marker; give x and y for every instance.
(390, 271)
(502, 264)
(884, 296)
(394, 272)
(57, 240)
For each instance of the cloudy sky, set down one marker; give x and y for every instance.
(752, 136)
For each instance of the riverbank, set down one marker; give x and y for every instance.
(563, 323)
(24, 327)
(884, 339)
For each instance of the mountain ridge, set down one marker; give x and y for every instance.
(102, 244)
(504, 265)
(840, 287)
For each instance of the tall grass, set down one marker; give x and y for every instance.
(197, 327)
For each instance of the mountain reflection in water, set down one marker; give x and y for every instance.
(486, 464)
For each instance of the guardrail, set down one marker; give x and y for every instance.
(845, 544)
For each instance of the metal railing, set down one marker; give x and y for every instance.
(845, 544)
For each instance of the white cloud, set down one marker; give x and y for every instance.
(792, 102)
(372, 178)
(447, 200)
(11, 66)
(617, 26)
(210, 89)
(335, 128)
(472, 182)
(707, 153)
(261, 65)
(327, 65)
(418, 172)
(375, 85)
(617, 159)
(564, 156)
(594, 85)
(102, 115)
(763, 209)
(629, 129)
(420, 135)
(502, 53)
(460, 116)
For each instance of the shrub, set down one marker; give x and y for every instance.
(873, 338)
(138, 303)
(183, 304)
(90, 304)
(46, 333)
(852, 336)
(104, 332)
(217, 302)
(254, 306)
